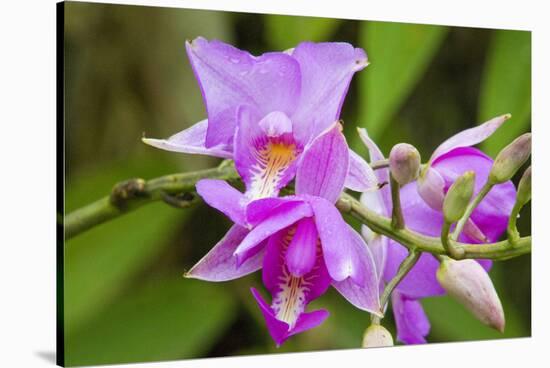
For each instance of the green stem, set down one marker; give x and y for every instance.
(132, 194)
(513, 233)
(471, 207)
(415, 241)
(404, 268)
(397, 221)
(449, 248)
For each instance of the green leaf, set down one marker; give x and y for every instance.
(167, 318)
(99, 262)
(284, 32)
(506, 86)
(399, 55)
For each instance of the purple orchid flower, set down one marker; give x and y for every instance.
(301, 242)
(265, 111)
(490, 218)
(436, 177)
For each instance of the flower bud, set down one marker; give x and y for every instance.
(377, 336)
(510, 159)
(468, 283)
(404, 163)
(524, 188)
(458, 196)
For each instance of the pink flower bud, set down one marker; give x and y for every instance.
(377, 336)
(510, 159)
(468, 283)
(404, 163)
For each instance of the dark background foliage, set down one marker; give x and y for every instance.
(126, 74)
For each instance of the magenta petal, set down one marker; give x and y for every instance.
(260, 209)
(279, 219)
(277, 329)
(191, 140)
(301, 253)
(309, 320)
(326, 70)
(324, 165)
(276, 277)
(411, 321)
(360, 176)
(431, 187)
(222, 196)
(338, 251)
(491, 216)
(363, 295)
(470, 137)
(220, 265)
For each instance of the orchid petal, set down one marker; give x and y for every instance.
(265, 162)
(470, 137)
(282, 284)
(260, 209)
(301, 253)
(277, 329)
(324, 165)
(222, 196)
(309, 320)
(220, 265)
(421, 281)
(191, 140)
(491, 215)
(326, 70)
(280, 218)
(229, 78)
(360, 177)
(431, 188)
(280, 330)
(365, 295)
(411, 321)
(333, 231)
(382, 174)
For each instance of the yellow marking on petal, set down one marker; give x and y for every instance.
(290, 301)
(273, 159)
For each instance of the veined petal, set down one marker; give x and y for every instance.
(222, 196)
(338, 250)
(191, 140)
(324, 165)
(265, 160)
(361, 177)
(280, 218)
(220, 265)
(470, 137)
(302, 251)
(277, 329)
(326, 71)
(229, 78)
(365, 295)
(280, 331)
(411, 321)
(260, 209)
(291, 293)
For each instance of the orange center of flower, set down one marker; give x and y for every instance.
(272, 161)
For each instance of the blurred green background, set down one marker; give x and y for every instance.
(126, 73)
